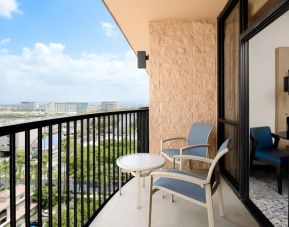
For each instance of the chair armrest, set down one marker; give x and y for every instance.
(276, 139)
(174, 138)
(195, 146)
(193, 157)
(171, 139)
(177, 176)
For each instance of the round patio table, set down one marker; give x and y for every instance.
(139, 165)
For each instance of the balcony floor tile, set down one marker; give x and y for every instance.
(121, 211)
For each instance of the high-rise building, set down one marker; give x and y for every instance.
(4, 146)
(67, 107)
(109, 106)
(29, 106)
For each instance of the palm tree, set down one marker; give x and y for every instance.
(45, 163)
(5, 164)
(20, 161)
(1, 170)
(34, 170)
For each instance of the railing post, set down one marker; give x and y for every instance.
(139, 132)
(143, 131)
(27, 177)
(50, 202)
(12, 180)
(39, 177)
(146, 142)
(59, 172)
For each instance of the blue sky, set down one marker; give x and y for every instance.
(65, 50)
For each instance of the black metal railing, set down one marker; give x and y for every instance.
(67, 166)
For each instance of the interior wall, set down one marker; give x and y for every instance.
(262, 71)
(281, 97)
(182, 78)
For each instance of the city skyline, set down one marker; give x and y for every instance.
(71, 101)
(70, 56)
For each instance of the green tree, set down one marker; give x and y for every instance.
(5, 164)
(20, 161)
(45, 197)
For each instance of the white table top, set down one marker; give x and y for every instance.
(140, 162)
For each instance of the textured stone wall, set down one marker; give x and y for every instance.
(182, 72)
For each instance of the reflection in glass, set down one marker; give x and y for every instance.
(259, 8)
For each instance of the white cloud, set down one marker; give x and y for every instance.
(5, 41)
(4, 51)
(109, 29)
(7, 7)
(45, 72)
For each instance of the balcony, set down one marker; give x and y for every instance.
(165, 213)
(66, 167)
(69, 168)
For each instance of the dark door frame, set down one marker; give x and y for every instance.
(246, 33)
(221, 107)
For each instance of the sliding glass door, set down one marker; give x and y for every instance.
(230, 90)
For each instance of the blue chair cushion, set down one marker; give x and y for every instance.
(199, 134)
(191, 151)
(276, 157)
(187, 189)
(171, 152)
(263, 137)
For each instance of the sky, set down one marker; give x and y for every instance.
(66, 50)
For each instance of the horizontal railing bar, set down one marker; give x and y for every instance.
(15, 128)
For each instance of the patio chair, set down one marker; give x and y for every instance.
(197, 143)
(189, 187)
(265, 151)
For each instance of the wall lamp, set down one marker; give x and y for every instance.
(286, 83)
(141, 59)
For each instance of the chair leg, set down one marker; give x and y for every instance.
(143, 182)
(119, 180)
(173, 198)
(279, 179)
(190, 164)
(209, 205)
(150, 205)
(221, 203)
(163, 194)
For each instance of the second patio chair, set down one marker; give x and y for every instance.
(197, 143)
(189, 187)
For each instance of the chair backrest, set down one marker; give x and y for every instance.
(262, 137)
(199, 134)
(220, 153)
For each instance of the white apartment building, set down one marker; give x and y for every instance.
(19, 141)
(67, 107)
(4, 144)
(29, 106)
(20, 206)
(93, 109)
(109, 106)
